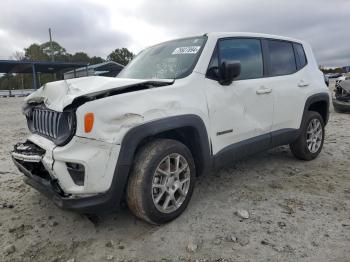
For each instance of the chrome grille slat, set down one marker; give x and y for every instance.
(39, 121)
(45, 122)
(55, 124)
(50, 123)
(42, 121)
(36, 122)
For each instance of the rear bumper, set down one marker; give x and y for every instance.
(100, 203)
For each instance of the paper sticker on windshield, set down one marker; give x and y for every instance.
(186, 50)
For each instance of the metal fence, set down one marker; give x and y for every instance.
(16, 93)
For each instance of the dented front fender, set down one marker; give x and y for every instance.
(115, 115)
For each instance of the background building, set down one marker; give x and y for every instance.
(109, 68)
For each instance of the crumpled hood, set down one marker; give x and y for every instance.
(57, 95)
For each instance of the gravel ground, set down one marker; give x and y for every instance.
(298, 211)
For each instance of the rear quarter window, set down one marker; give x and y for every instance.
(301, 57)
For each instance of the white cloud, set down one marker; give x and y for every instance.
(99, 26)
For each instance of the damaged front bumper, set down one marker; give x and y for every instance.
(50, 188)
(48, 169)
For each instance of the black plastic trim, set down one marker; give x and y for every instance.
(241, 150)
(134, 136)
(320, 97)
(220, 133)
(284, 136)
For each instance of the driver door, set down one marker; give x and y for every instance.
(241, 113)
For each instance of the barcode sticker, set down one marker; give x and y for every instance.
(186, 50)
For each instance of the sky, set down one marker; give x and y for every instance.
(97, 27)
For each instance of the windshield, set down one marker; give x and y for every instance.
(170, 60)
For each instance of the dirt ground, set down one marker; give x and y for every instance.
(299, 211)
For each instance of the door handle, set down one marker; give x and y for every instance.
(263, 90)
(302, 83)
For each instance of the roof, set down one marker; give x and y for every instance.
(217, 35)
(250, 34)
(13, 66)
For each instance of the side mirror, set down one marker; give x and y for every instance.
(228, 71)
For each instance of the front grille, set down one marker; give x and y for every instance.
(59, 127)
(45, 122)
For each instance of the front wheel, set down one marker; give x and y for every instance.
(310, 142)
(161, 181)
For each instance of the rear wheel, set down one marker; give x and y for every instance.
(309, 143)
(161, 181)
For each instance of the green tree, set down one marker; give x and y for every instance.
(328, 70)
(7, 82)
(79, 57)
(96, 60)
(35, 53)
(121, 55)
(42, 52)
(59, 53)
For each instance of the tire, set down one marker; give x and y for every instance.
(151, 168)
(337, 110)
(300, 148)
(341, 107)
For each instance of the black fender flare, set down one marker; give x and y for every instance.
(320, 97)
(136, 134)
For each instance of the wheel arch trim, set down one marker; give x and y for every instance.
(134, 136)
(320, 97)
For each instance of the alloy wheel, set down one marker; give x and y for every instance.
(314, 135)
(171, 183)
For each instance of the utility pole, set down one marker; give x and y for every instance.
(52, 57)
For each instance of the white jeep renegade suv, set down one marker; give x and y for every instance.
(177, 110)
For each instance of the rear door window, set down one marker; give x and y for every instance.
(281, 58)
